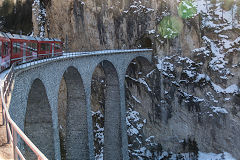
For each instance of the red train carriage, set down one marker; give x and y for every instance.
(45, 47)
(23, 48)
(49, 47)
(4, 51)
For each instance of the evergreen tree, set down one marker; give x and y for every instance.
(195, 149)
(6, 8)
(16, 18)
(223, 156)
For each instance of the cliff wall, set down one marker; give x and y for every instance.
(191, 96)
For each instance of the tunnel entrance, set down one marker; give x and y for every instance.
(145, 42)
(38, 121)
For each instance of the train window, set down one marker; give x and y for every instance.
(32, 47)
(57, 46)
(43, 46)
(5, 48)
(48, 47)
(29, 47)
(16, 48)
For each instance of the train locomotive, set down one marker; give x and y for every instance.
(21, 49)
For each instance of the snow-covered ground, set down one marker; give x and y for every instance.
(213, 156)
(201, 156)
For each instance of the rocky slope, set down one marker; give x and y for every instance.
(189, 102)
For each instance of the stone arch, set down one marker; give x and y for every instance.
(38, 124)
(72, 116)
(139, 63)
(137, 104)
(110, 107)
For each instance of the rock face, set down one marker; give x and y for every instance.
(192, 94)
(93, 25)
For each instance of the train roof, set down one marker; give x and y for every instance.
(48, 39)
(23, 37)
(28, 38)
(57, 40)
(3, 35)
(20, 37)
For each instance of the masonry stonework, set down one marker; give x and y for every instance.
(78, 70)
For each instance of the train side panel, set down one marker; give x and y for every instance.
(16, 51)
(45, 49)
(58, 48)
(23, 48)
(31, 50)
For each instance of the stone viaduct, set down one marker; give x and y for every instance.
(34, 103)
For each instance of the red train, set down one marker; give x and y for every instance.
(22, 49)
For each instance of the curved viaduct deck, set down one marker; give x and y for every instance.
(34, 103)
